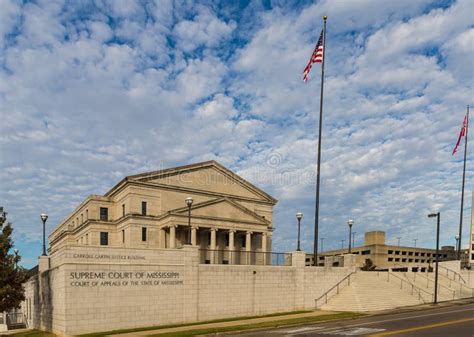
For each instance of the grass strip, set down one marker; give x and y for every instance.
(263, 325)
(158, 327)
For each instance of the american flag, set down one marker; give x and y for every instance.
(316, 57)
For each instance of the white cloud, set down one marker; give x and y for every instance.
(135, 88)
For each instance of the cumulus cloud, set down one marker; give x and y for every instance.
(93, 91)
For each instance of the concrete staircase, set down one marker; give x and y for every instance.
(450, 288)
(373, 291)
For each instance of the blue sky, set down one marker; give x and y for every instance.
(92, 91)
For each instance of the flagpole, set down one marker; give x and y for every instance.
(463, 181)
(316, 211)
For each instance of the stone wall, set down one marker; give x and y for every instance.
(90, 289)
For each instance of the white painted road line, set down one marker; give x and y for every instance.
(305, 329)
(353, 331)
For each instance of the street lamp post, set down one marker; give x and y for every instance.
(322, 241)
(457, 249)
(189, 202)
(415, 240)
(350, 222)
(353, 239)
(299, 216)
(432, 215)
(399, 241)
(342, 244)
(44, 217)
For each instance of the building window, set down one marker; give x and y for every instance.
(123, 209)
(82, 218)
(416, 260)
(404, 260)
(404, 253)
(397, 252)
(422, 254)
(410, 253)
(87, 214)
(104, 214)
(416, 254)
(123, 235)
(390, 259)
(227, 239)
(104, 238)
(410, 260)
(143, 207)
(87, 239)
(390, 251)
(397, 259)
(422, 261)
(244, 241)
(143, 233)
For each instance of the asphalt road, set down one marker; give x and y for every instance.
(452, 321)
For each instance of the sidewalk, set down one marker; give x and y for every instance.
(225, 324)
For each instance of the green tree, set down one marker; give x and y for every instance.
(368, 265)
(12, 277)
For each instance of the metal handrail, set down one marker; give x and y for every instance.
(461, 285)
(336, 286)
(439, 284)
(413, 287)
(454, 272)
(245, 257)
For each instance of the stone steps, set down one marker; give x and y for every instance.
(370, 292)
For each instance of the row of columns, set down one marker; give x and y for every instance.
(248, 238)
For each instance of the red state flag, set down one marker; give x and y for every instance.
(461, 134)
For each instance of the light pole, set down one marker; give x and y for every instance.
(322, 240)
(415, 240)
(189, 202)
(299, 216)
(432, 215)
(16, 251)
(350, 222)
(353, 239)
(457, 249)
(44, 217)
(342, 244)
(399, 241)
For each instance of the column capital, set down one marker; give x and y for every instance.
(232, 231)
(213, 229)
(194, 227)
(174, 226)
(248, 232)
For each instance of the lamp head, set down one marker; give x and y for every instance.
(189, 201)
(44, 217)
(432, 215)
(16, 251)
(350, 222)
(299, 215)
(456, 236)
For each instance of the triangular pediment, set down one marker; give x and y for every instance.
(208, 176)
(222, 209)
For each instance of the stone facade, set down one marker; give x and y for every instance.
(88, 289)
(149, 211)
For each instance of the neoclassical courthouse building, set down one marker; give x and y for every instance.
(229, 215)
